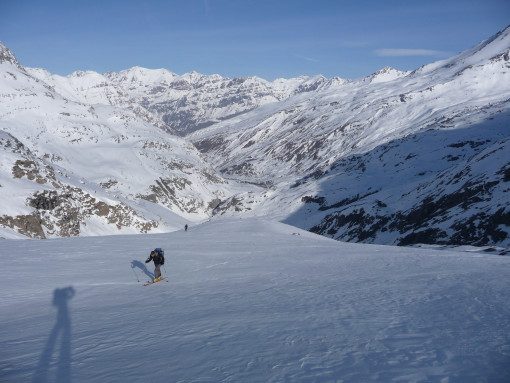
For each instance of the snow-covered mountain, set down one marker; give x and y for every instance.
(178, 104)
(394, 158)
(250, 301)
(70, 168)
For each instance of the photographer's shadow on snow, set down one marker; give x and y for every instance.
(63, 328)
(141, 266)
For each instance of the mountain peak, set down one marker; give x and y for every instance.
(385, 74)
(7, 56)
(82, 73)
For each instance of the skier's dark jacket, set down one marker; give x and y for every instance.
(157, 259)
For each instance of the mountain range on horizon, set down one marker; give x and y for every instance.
(396, 158)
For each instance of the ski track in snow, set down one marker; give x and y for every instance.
(248, 301)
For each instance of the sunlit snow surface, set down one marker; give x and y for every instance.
(250, 301)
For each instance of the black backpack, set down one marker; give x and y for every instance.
(161, 254)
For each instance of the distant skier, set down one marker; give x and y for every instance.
(186, 227)
(158, 256)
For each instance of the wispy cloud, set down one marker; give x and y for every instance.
(410, 52)
(306, 58)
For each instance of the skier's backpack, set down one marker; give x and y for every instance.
(161, 254)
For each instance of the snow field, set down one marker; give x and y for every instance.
(250, 301)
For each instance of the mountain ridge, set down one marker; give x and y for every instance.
(393, 158)
(342, 130)
(167, 100)
(70, 168)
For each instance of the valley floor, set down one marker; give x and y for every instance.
(250, 301)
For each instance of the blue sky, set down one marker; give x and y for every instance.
(237, 38)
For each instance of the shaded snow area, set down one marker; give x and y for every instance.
(250, 301)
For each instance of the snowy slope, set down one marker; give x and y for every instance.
(94, 169)
(309, 131)
(393, 158)
(250, 301)
(176, 103)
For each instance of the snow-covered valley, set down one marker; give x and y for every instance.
(250, 300)
(339, 230)
(393, 158)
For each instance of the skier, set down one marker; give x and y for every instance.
(186, 227)
(157, 256)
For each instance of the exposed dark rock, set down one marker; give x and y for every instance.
(214, 203)
(481, 229)
(46, 200)
(235, 203)
(310, 199)
(28, 225)
(427, 236)
(31, 170)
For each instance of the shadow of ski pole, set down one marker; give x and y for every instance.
(142, 267)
